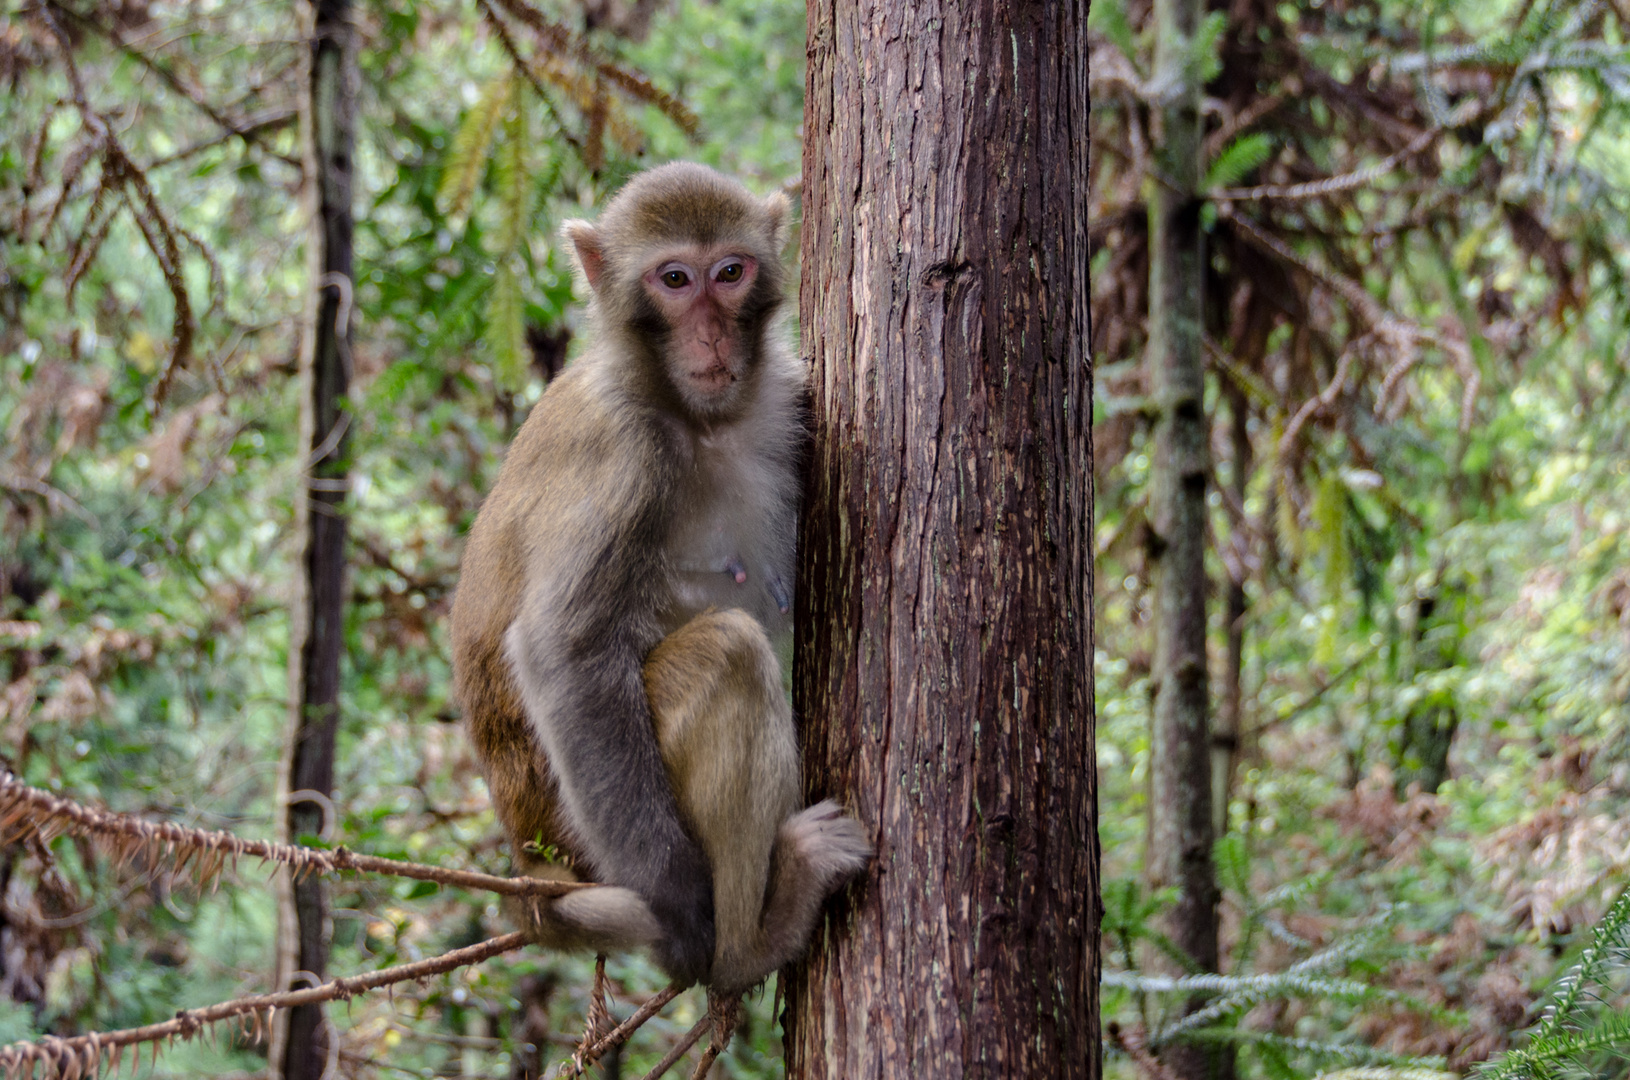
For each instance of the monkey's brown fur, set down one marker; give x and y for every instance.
(611, 632)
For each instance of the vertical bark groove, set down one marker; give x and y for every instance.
(944, 662)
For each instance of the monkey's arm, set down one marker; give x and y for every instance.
(576, 646)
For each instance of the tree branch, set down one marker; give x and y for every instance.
(25, 810)
(85, 1055)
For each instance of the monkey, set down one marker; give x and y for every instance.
(620, 592)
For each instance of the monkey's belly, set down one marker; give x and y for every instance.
(762, 594)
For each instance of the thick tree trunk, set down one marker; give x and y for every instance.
(1180, 811)
(301, 1049)
(943, 668)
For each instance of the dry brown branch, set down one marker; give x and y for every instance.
(87, 1055)
(247, 130)
(680, 1048)
(1322, 401)
(27, 810)
(1246, 119)
(726, 1014)
(1316, 189)
(120, 172)
(585, 1058)
(525, 67)
(270, 120)
(599, 1016)
(1135, 1042)
(560, 40)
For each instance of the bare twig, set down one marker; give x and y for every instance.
(248, 130)
(25, 810)
(726, 1014)
(620, 1034)
(1320, 402)
(680, 1048)
(88, 1055)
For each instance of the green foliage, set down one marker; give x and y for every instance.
(1578, 1030)
(1238, 160)
(151, 550)
(468, 157)
(1108, 17)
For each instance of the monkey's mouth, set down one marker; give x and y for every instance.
(713, 379)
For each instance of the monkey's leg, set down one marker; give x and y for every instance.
(605, 919)
(726, 735)
(727, 739)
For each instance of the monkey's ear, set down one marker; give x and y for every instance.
(587, 252)
(775, 209)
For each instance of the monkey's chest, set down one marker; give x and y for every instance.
(730, 551)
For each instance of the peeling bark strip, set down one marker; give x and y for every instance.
(943, 668)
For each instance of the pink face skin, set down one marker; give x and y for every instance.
(700, 291)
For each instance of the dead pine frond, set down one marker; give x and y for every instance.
(27, 812)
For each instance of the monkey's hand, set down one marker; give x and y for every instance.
(681, 902)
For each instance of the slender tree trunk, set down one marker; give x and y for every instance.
(301, 1046)
(1225, 740)
(1180, 836)
(943, 668)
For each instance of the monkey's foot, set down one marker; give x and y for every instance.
(603, 919)
(832, 845)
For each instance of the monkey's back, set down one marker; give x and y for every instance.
(562, 439)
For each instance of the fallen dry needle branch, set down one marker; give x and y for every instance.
(85, 1056)
(27, 810)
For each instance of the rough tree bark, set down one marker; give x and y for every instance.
(943, 667)
(300, 1046)
(1180, 810)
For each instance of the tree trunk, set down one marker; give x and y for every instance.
(944, 656)
(301, 1049)
(1225, 740)
(1180, 836)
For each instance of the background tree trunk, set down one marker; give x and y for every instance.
(1180, 810)
(1225, 738)
(944, 656)
(300, 1049)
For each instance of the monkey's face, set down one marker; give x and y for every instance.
(684, 265)
(700, 294)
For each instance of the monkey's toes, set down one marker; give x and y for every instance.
(833, 845)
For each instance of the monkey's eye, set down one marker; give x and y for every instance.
(675, 279)
(729, 272)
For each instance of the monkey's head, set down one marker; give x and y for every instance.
(685, 268)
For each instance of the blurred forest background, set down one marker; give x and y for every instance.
(1417, 509)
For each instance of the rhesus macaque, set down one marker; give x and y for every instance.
(619, 593)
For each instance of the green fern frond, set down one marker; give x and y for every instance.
(514, 179)
(462, 173)
(506, 326)
(1205, 50)
(1108, 17)
(1609, 943)
(1238, 159)
(1560, 1039)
